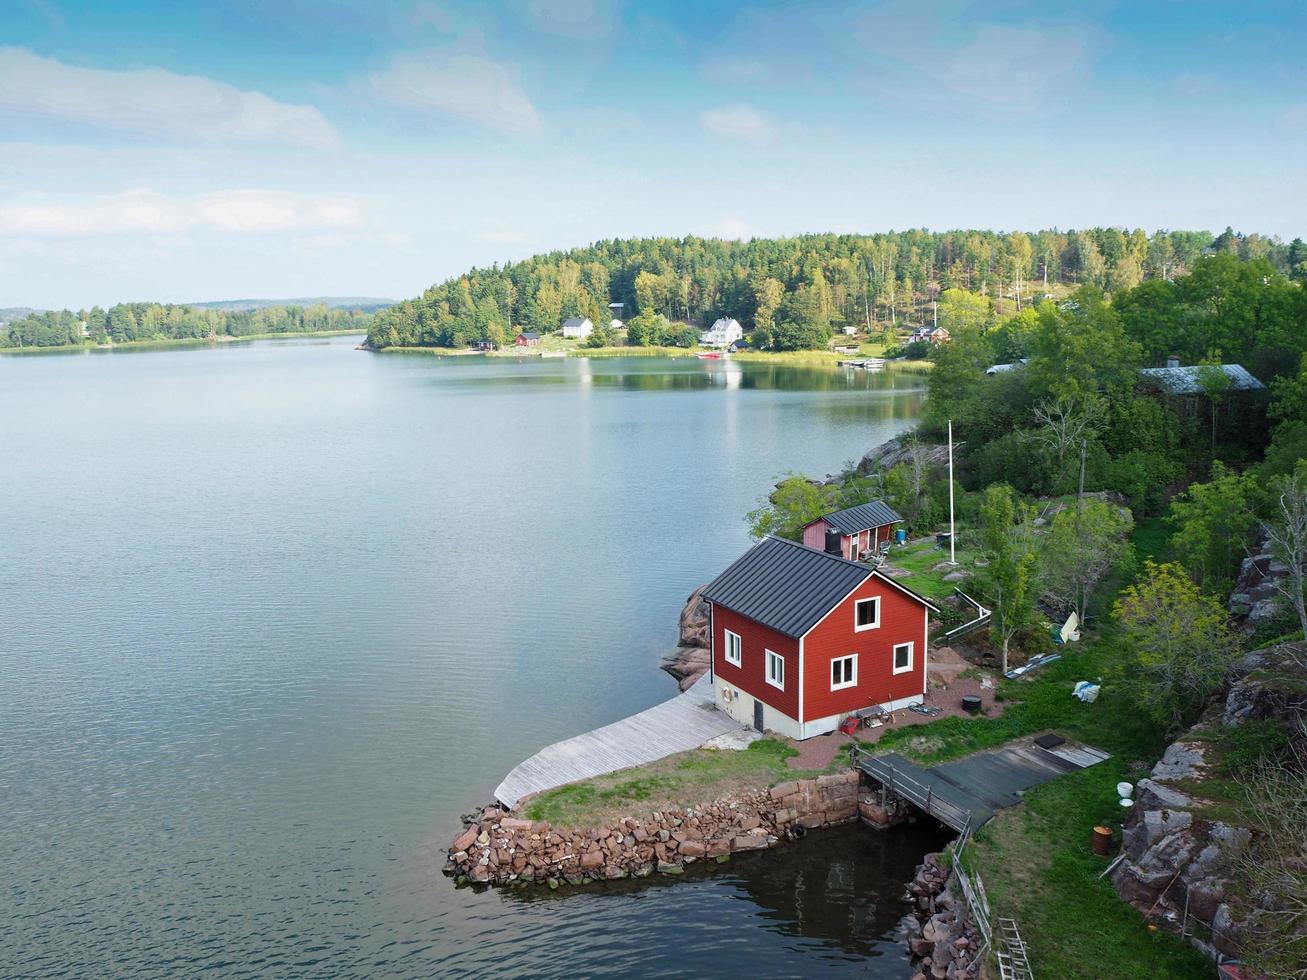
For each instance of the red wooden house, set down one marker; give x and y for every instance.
(863, 528)
(526, 338)
(802, 638)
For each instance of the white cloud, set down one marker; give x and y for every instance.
(727, 70)
(1195, 85)
(1001, 66)
(143, 211)
(1294, 119)
(740, 121)
(463, 84)
(1015, 65)
(154, 101)
(426, 13)
(580, 19)
(500, 232)
(732, 229)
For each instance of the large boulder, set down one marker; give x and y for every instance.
(694, 620)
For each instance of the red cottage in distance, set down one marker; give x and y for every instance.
(863, 528)
(801, 639)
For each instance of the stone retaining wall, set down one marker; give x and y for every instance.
(497, 848)
(942, 937)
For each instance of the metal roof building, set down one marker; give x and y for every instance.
(1188, 380)
(788, 586)
(863, 517)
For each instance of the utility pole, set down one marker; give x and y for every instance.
(952, 531)
(1081, 600)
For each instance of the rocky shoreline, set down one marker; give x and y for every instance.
(690, 660)
(942, 937)
(498, 849)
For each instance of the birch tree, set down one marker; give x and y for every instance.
(1081, 548)
(1008, 580)
(1287, 534)
(1062, 423)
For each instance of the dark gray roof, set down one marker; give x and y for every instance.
(574, 321)
(862, 517)
(1188, 380)
(785, 585)
(529, 335)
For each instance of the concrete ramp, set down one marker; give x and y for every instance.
(677, 725)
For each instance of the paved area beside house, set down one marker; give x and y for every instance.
(677, 725)
(980, 784)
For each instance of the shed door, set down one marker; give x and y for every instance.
(757, 714)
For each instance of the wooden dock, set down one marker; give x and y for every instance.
(677, 725)
(966, 793)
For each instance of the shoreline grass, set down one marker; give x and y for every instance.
(169, 342)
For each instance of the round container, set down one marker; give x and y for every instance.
(971, 703)
(1102, 841)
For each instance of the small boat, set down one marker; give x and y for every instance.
(709, 356)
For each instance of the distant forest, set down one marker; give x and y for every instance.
(794, 291)
(128, 322)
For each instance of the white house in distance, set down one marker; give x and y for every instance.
(724, 332)
(577, 328)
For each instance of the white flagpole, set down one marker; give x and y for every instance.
(952, 543)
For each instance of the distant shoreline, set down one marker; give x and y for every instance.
(797, 358)
(174, 342)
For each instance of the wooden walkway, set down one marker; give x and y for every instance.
(966, 793)
(677, 725)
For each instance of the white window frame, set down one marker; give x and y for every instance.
(870, 626)
(774, 658)
(738, 659)
(852, 658)
(894, 657)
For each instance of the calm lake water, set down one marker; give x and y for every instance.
(273, 615)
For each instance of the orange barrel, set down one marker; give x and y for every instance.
(1102, 841)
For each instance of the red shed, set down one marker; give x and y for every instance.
(526, 339)
(802, 638)
(863, 528)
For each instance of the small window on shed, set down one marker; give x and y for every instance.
(866, 614)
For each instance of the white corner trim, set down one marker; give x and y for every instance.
(801, 707)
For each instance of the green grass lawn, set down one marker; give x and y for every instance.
(684, 779)
(1038, 867)
(919, 558)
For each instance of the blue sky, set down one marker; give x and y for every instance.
(158, 150)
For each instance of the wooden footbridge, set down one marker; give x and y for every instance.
(966, 793)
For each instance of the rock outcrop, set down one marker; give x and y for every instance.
(899, 450)
(1176, 855)
(689, 661)
(942, 937)
(497, 848)
(1256, 597)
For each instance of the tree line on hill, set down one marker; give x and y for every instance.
(792, 291)
(126, 322)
